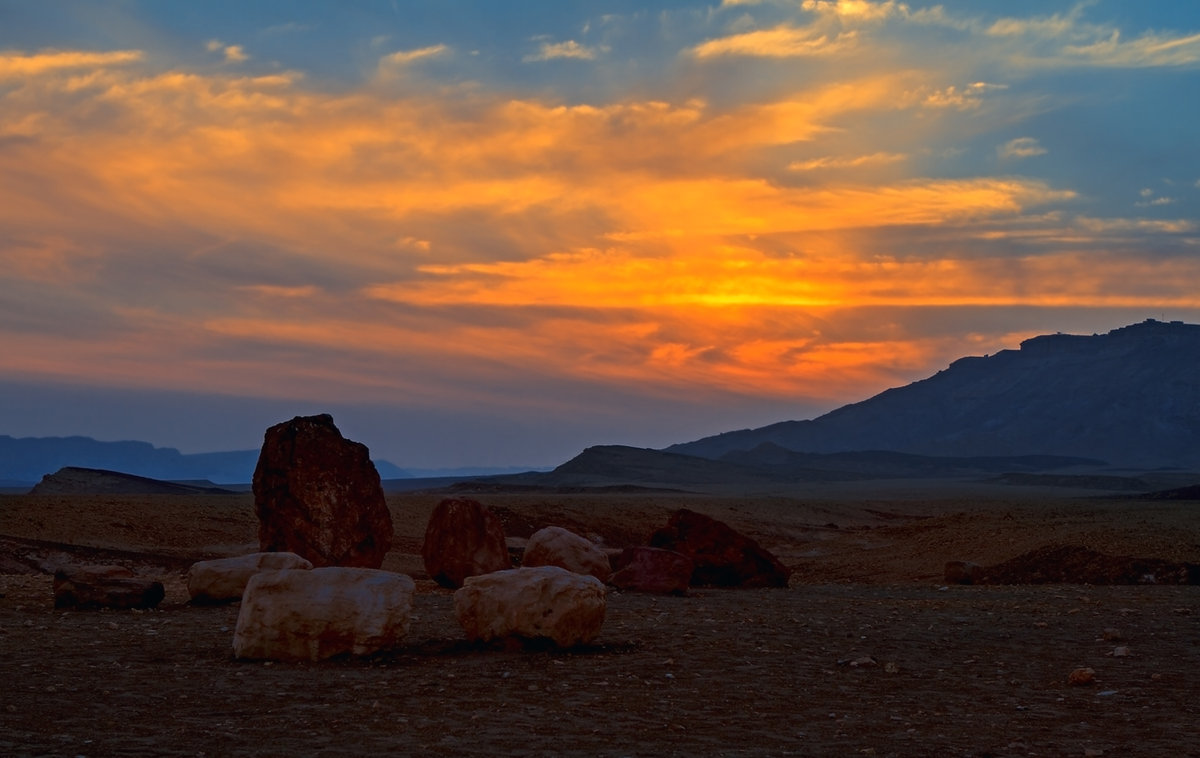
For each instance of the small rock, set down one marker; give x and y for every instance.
(963, 572)
(1082, 676)
(1112, 635)
(1121, 651)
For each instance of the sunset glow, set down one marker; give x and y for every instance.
(768, 208)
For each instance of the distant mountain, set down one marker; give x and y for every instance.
(767, 466)
(1130, 397)
(28, 459)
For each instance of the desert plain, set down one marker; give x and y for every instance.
(868, 652)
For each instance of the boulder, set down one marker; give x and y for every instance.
(224, 579)
(963, 572)
(463, 538)
(92, 587)
(722, 556)
(301, 615)
(541, 603)
(318, 495)
(555, 546)
(652, 569)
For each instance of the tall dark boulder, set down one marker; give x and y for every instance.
(318, 495)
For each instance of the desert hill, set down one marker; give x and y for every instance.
(1130, 397)
(72, 480)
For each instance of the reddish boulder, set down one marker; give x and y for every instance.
(318, 495)
(463, 538)
(652, 569)
(723, 557)
(93, 587)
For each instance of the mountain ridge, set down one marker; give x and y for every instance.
(1130, 397)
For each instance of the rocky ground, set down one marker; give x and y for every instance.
(869, 652)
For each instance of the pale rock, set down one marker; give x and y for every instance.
(543, 602)
(310, 615)
(555, 546)
(224, 579)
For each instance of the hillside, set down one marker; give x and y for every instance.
(25, 460)
(1130, 397)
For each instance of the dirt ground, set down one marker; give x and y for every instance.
(868, 652)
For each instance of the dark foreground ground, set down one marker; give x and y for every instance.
(834, 665)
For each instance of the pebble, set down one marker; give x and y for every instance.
(1081, 676)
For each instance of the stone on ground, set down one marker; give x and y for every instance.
(463, 538)
(541, 603)
(555, 546)
(723, 557)
(318, 495)
(300, 615)
(963, 572)
(94, 587)
(224, 579)
(652, 569)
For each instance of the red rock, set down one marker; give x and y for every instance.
(318, 495)
(1082, 676)
(91, 587)
(652, 569)
(723, 557)
(463, 538)
(555, 546)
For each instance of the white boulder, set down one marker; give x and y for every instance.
(544, 602)
(311, 615)
(555, 546)
(224, 579)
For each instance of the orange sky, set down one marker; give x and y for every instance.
(857, 215)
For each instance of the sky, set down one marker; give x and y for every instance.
(493, 234)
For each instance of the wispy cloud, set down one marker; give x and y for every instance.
(1021, 147)
(785, 41)
(569, 49)
(15, 64)
(402, 58)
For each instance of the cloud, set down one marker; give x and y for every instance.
(217, 231)
(568, 49)
(960, 98)
(232, 53)
(824, 162)
(15, 65)
(1021, 147)
(784, 41)
(402, 58)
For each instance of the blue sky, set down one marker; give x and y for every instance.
(495, 233)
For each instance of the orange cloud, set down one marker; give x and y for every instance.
(651, 244)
